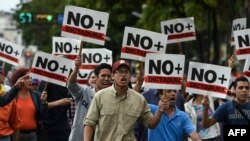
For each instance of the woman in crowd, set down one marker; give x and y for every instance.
(194, 109)
(28, 106)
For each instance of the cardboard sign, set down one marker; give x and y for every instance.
(85, 24)
(246, 70)
(242, 43)
(179, 30)
(67, 47)
(82, 77)
(238, 24)
(91, 58)
(51, 68)
(137, 42)
(10, 52)
(164, 71)
(208, 79)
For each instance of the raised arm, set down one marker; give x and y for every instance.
(153, 122)
(206, 121)
(12, 93)
(231, 61)
(139, 81)
(73, 75)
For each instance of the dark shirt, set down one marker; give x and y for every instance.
(56, 119)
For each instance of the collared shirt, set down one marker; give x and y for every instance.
(171, 128)
(115, 116)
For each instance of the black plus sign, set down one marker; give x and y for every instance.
(16, 52)
(158, 46)
(189, 26)
(222, 79)
(63, 69)
(178, 68)
(76, 48)
(99, 24)
(106, 58)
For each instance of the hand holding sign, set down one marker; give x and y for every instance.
(78, 62)
(44, 96)
(231, 61)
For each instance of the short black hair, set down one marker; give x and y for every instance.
(102, 66)
(241, 78)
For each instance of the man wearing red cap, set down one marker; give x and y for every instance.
(114, 111)
(84, 94)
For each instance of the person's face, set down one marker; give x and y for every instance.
(122, 76)
(28, 83)
(169, 95)
(242, 90)
(92, 80)
(104, 79)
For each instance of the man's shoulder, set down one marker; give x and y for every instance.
(136, 94)
(104, 91)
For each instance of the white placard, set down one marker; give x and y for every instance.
(91, 58)
(137, 42)
(208, 79)
(164, 71)
(67, 47)
(10, 52)
(51, 68)
(179, 30)
(85, 24)
(238, 24)
(242, 43)
(246, 70)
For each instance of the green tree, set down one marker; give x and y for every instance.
(213, 21)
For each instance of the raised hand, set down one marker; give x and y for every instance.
(20, 82)
(205, 101)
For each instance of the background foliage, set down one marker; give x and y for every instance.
(213, 21)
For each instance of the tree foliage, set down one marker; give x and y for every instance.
(213, 21)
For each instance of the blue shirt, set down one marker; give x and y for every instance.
(228, 114)
(171, 128)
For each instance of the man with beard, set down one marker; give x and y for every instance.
(174, 124)
(84, 94)
(114, 110)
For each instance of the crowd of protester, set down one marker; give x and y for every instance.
(109, 108)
